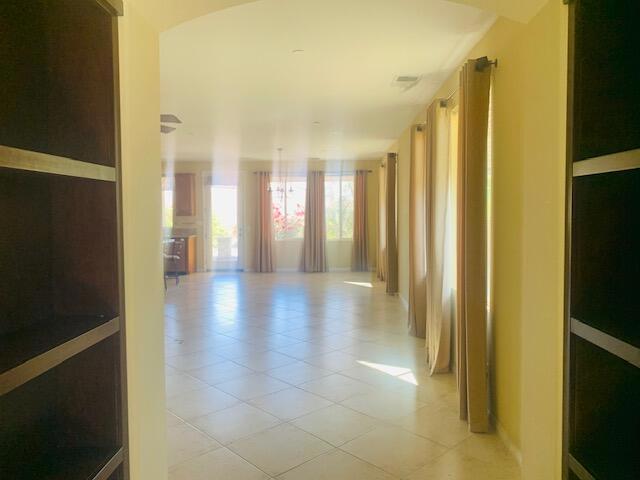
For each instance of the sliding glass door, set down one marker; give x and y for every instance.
(222, 230)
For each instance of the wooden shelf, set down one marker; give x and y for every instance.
(30, 352)
(605, 393)
(62, 366)
(579, 471)
(74, 464)
(113, 7)
(65, 423)
(18, 159)
(107, 470)
(613, 345)
(614, 162)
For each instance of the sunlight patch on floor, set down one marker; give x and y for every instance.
(409, 378)
(388, 369)
(360, 284)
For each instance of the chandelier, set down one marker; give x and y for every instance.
(282, 187)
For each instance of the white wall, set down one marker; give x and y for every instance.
(140, 110)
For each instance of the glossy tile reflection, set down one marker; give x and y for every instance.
(308, 376)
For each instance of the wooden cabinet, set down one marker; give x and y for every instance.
(185, 194)
(185, 249)
(62, 362)
(602, 382)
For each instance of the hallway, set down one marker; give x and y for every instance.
(310, 376)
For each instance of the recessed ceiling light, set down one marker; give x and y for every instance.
(297, 51)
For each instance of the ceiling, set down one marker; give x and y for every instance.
(169, 13)
(241, 93)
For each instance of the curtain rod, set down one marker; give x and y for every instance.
(481, 64)
(444, 101)
(484, 62)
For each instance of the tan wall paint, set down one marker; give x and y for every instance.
(529, 142)
(140, 110)
(287, 252)
(544, 50)
(403, 165)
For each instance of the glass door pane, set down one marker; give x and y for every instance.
(224, 227)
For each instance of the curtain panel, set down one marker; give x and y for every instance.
(472, 246)
(314, 257)
(263, 256)
(439, 288)
(381, 264)
(391, 256)
(360, 251)
(421, 148)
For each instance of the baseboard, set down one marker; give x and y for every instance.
(290, 270)
(331, 270)
(504, 436)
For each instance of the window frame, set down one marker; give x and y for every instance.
(340, 176)
(167, 193)
(285, 181)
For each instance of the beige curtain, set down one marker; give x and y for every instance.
(438, 285)
(472, 246)
(314, 257)
(360, 252)
(420, 155)
(382, 224)
(391, 256)
(263, 258)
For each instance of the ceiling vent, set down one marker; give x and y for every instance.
(407, 79)
(169, 118)
(166, 129)
(405, 82)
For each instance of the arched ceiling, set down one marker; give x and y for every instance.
(518, 10)
(166, 14)
(242, 92)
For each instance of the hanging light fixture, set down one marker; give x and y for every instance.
(282, 188)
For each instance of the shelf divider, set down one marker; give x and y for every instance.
(613, 345)
(614, 162)
(113, 7)
(18, 159)
(113, 463)
(577, 468)
(39, 364)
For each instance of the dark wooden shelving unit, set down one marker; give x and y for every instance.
(62, 362)
(602, 347)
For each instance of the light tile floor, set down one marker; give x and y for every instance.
(309, 377)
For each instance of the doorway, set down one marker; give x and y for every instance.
(222, 226)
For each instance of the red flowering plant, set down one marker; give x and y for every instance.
(288, 225)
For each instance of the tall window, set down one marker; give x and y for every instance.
(288, 201)
(338, 204)
(167, 205)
